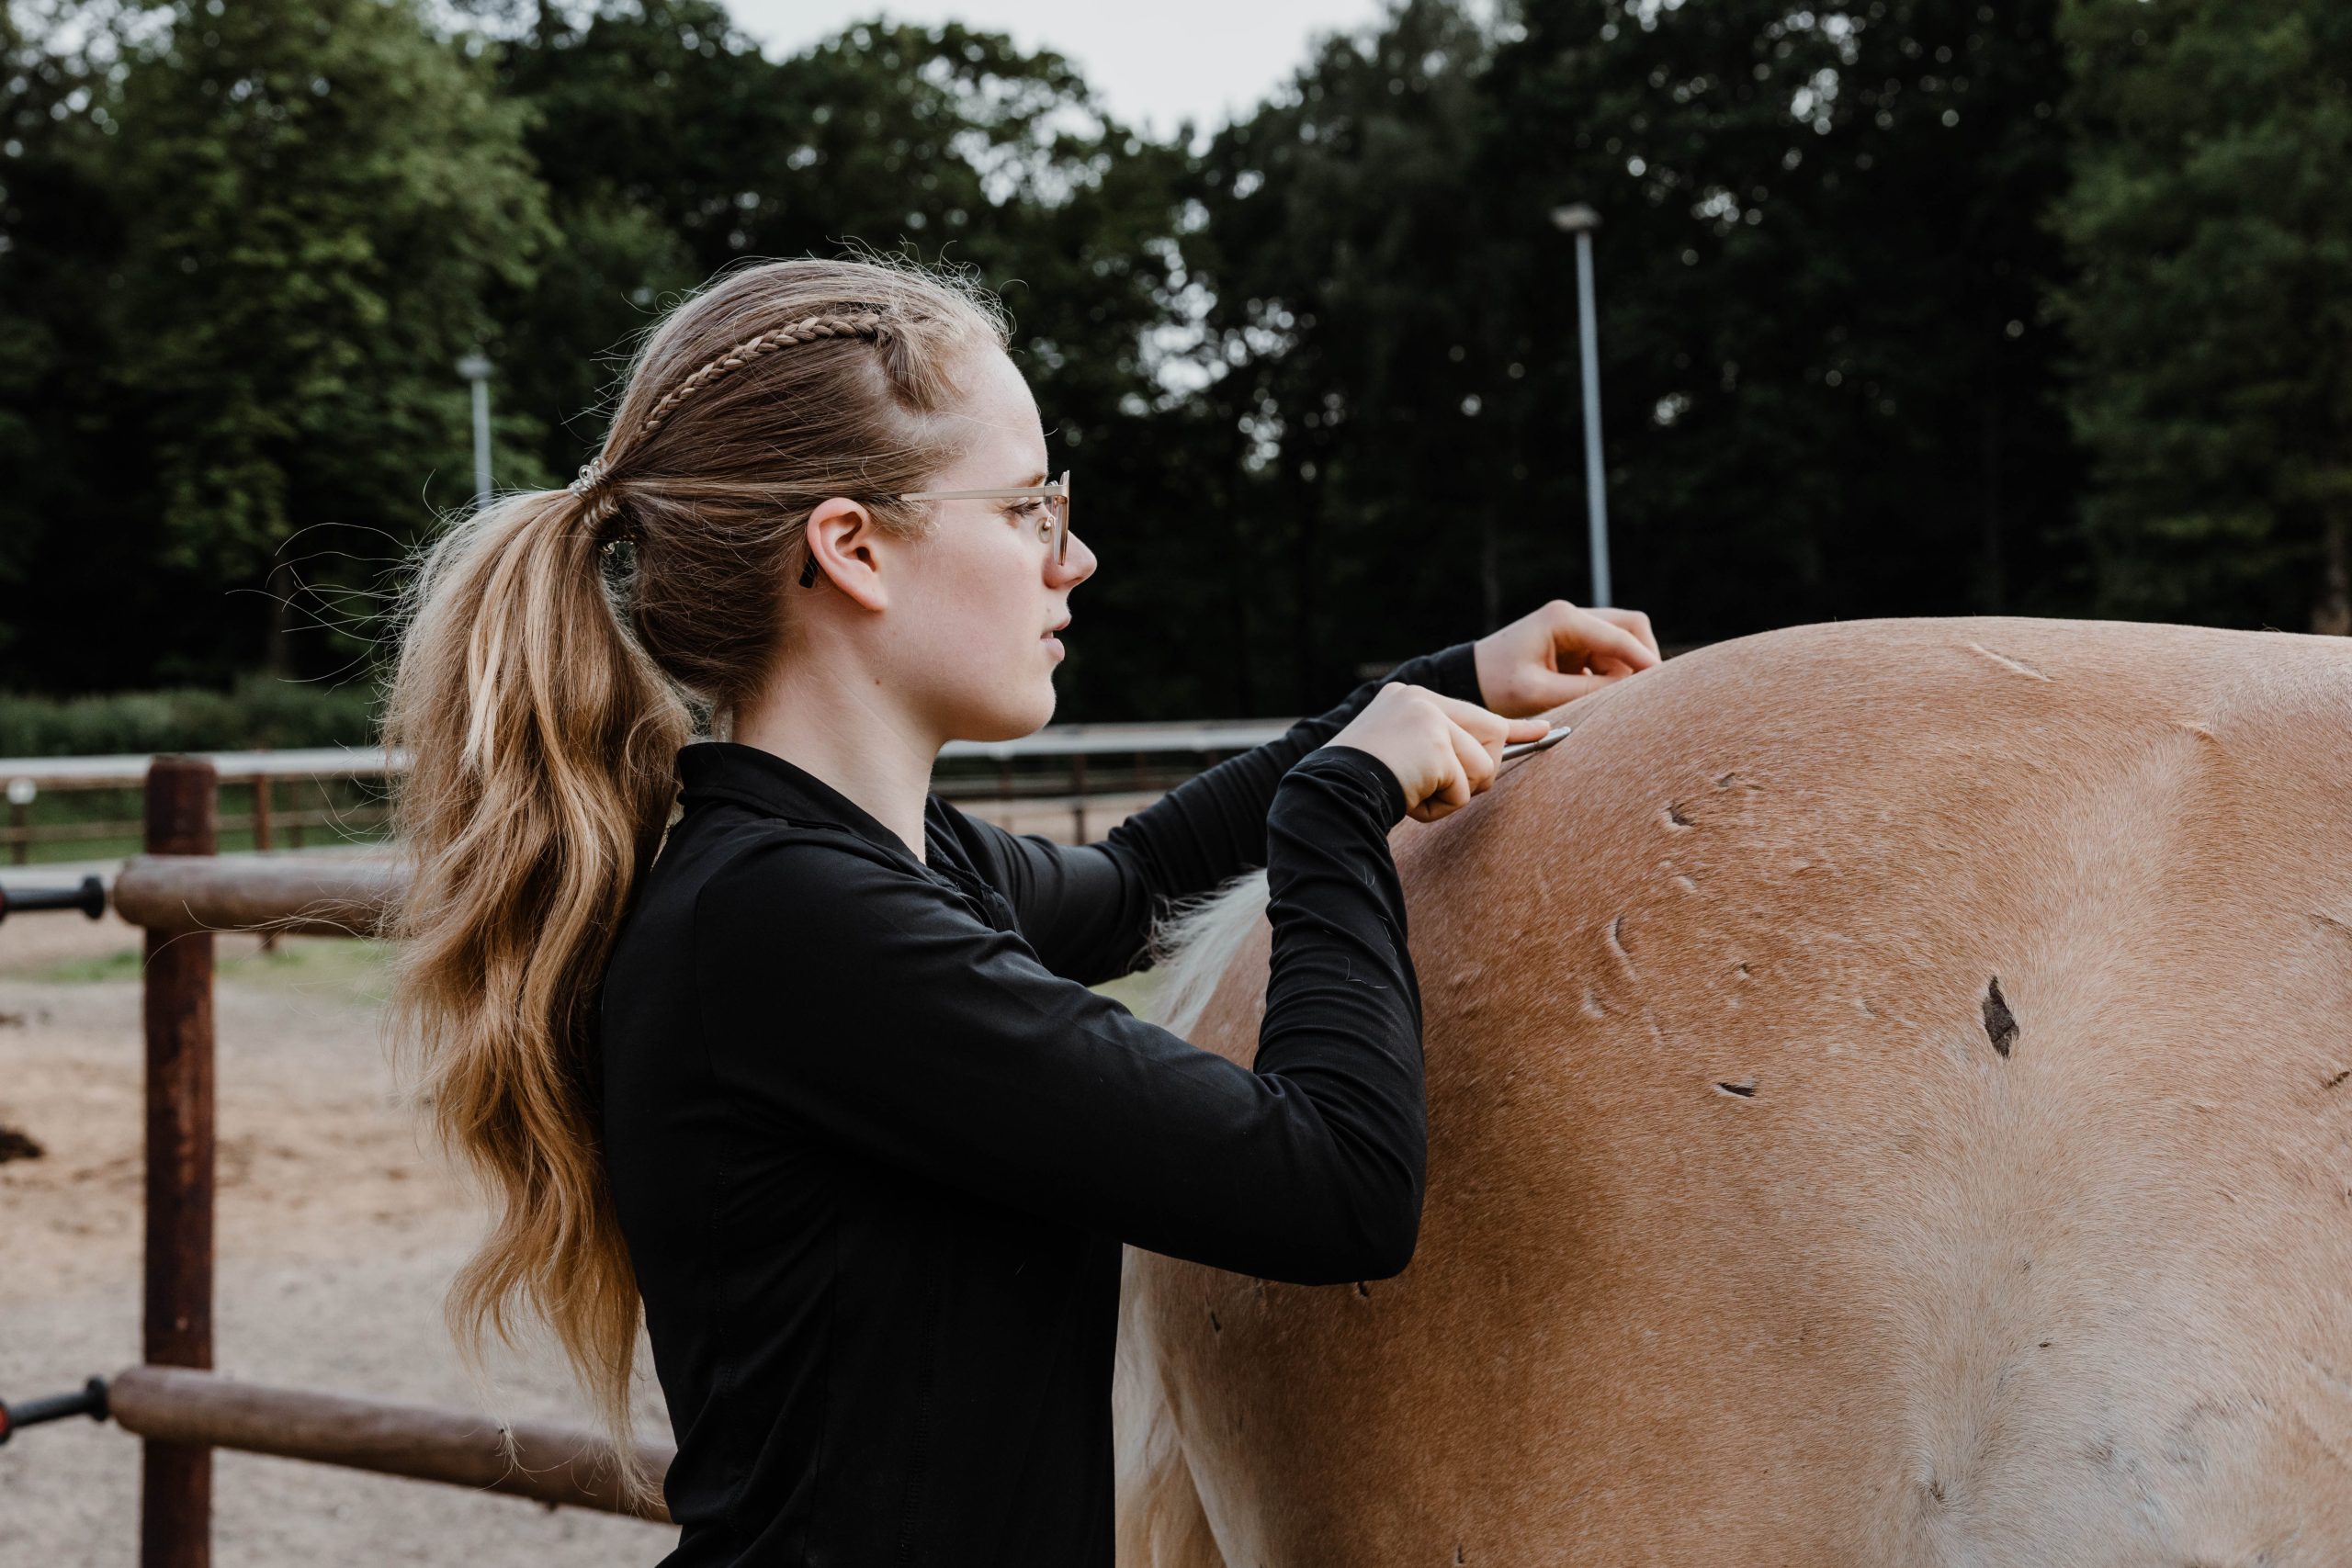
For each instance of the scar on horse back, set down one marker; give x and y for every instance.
(2013, 666)
(2000, 1023)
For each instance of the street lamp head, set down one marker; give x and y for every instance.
(475, 367)
(1575, 219)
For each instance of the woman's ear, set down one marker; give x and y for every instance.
(842, 543)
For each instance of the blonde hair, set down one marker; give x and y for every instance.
(542, 691)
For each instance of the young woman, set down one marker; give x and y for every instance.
(822, 1085)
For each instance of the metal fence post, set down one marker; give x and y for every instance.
(175, 1479)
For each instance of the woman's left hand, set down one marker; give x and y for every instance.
(1558, 654)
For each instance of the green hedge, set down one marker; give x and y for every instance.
(258, 711)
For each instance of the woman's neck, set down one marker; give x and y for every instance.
(845, 732)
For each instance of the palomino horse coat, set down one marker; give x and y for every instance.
(1890, 1103)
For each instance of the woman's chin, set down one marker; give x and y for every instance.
(1010, 723)
(1043, 711)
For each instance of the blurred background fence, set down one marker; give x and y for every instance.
(1069, 782)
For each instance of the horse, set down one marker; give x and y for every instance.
(1890, 1102)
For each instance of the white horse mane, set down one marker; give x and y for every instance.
(1193, 943)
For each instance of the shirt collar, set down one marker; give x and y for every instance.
(749, 776)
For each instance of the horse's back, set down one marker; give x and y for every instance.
(1891, 1103)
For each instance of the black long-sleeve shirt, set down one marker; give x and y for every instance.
(875, 1146)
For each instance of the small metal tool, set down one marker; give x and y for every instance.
(1529, 748)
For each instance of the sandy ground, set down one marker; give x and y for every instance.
(339, 1226)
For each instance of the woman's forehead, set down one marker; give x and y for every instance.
(1002, 430)
(1001, 393)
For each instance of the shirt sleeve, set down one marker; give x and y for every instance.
(921, 1035)
(1088, 909)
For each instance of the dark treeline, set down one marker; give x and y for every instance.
(1906, 307)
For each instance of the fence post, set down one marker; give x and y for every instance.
(261, 840)
(175, 1479)
(20, 801)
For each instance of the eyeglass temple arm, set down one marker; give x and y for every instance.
(1053, 489)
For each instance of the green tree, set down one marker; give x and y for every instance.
(62, 457)
(1345, 273)
(2215, 307)
(665, 136)
(1318, 379)
(317, 194)
(1829, 387)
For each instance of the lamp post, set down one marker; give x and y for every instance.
(1581, 220)
(475, 368)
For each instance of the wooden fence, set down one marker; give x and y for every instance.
(180, 893)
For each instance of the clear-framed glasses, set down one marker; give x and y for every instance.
(1055, 527)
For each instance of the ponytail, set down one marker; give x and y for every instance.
(542, 747)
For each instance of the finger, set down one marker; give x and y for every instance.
(1456, 791)
(1429, 809)
(1582, 631)
(1559, 690)
(1476, 759)
(1448, 800)
(1633, 621)
(1571, 687)
(1432, 808)
(1484, 724)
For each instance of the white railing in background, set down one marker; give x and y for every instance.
(1035, 790)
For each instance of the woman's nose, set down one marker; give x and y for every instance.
(1075, 566)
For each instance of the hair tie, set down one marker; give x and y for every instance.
(593, 473)
(603, 507)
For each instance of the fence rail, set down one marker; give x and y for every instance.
(1052, 764)
(181, 892)
(176, 893)
(129, 768)
(553, 1464)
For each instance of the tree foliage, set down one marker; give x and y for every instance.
(2212, 313)
(300, 207)
(1343, 269)
(1906, 306)
(1829, 385)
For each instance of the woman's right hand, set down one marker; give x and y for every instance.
(1443, 750)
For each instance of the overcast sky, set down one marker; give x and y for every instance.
(1214, 59)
